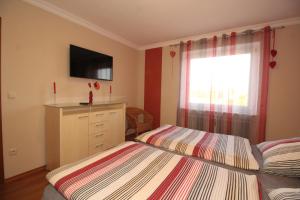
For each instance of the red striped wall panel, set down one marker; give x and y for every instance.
(152, 93)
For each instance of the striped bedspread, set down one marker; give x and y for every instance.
(137, 171)
(226, 149)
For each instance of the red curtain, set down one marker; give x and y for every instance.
(188, 63)
(264, 85)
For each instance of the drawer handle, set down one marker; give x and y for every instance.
(98, 135)
(100, 114)
(99, 145)
(99, 124)
(80, 117)
(112, 112)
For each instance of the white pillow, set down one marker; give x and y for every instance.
(281, 157)
(284, 193)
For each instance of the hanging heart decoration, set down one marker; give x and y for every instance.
(172, 54)
(273, 52)
(272, 64)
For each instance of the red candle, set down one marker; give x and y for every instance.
(110, 89)
(54, 87)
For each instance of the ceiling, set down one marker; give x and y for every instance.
(144, 22)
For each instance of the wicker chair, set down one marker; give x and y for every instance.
(138, 120)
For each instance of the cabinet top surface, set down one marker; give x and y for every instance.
(98, 103)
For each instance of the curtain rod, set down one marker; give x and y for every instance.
(238, 33)
(261, 29)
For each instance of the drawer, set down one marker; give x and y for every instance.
(98, 137)
(97, 147)
(98, 116)
(98, 127)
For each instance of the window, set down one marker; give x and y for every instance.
(221, 78)
(223, 81)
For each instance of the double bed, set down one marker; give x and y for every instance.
(160, 166)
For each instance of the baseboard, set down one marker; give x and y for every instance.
(25, 174)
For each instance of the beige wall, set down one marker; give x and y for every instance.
(284, 90)
(283, 118)
(141, 79)
(35, 53)
(169, 86)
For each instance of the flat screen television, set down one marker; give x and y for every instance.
(85, 63)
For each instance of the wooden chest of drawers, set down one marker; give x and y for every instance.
(73, 133)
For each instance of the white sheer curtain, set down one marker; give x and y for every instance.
(221, 82)
(224, 80)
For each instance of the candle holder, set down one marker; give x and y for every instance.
(54, 92)
(91, 97)
(54, 98)
(90, 94)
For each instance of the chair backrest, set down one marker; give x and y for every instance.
(134, 111)
(137, 112)
(139, 120)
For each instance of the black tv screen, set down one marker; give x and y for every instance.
(85, 63)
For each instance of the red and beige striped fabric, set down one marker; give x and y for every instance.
(226, 149)
(281, 157)
(285, 194)
(137, 171)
